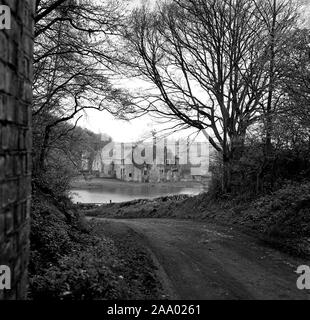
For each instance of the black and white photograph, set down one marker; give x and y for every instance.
(154, 154)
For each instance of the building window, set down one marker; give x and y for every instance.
(130, 175)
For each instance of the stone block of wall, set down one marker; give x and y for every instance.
(16, 45)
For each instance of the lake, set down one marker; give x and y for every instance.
(123, 192)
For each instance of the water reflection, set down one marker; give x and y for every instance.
(105, 194)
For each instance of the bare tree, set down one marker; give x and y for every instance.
(209, 62)
(279, 18)
(294, 110)
(72, 66)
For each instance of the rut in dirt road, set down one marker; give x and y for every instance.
(204, 261)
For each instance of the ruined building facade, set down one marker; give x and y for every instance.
(157, 161)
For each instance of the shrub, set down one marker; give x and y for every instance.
(286, 212)
(84, 275)
(68, 260)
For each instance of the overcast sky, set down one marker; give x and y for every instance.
(124, 131)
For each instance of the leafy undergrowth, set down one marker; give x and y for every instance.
(74, 259)
(139, 269)
(282, 218)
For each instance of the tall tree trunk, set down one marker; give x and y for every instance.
(226, 176)
(231, 156)
(269, 117)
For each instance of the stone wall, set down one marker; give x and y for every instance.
(16, 47)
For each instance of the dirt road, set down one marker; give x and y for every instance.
(205, 261)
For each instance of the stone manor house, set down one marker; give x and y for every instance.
(156, 161)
